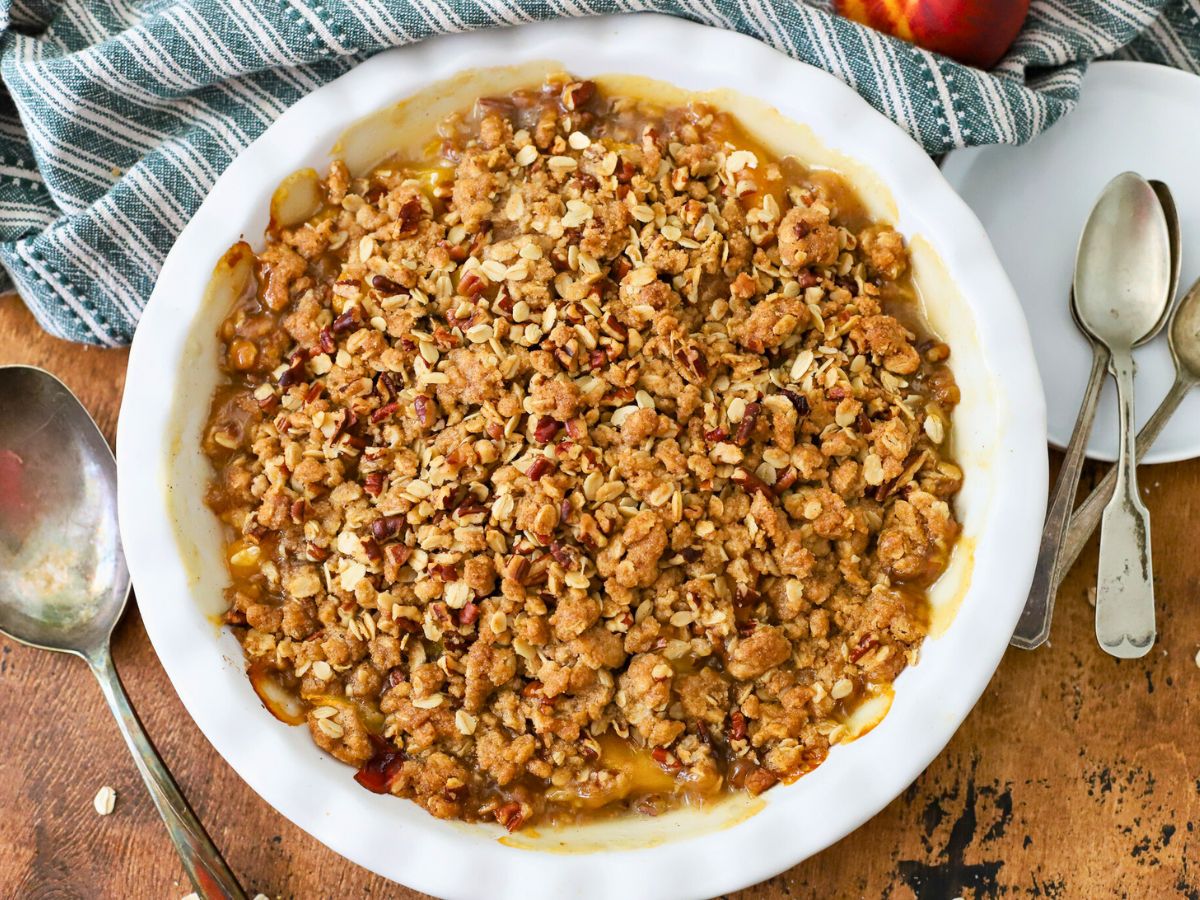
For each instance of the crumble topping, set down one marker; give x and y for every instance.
(597, 462)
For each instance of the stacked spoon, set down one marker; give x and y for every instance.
(1126, 275)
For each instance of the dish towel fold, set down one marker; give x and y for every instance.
(119, 114)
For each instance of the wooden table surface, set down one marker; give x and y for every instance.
(1077, 775)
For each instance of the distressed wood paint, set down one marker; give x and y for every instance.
(1077, 775)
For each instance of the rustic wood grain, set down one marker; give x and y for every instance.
(1076, 776)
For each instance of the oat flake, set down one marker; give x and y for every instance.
(105, 800)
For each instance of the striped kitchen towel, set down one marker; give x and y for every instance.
(120, 114)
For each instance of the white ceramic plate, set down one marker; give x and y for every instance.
(1033, 201)
(174, 548)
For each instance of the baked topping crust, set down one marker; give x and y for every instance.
(598, 462)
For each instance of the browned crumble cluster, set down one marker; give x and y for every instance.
(598, 463)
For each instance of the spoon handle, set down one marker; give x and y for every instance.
(1085, 519)
(1125, 587)
(1034, 625)
(208, 872)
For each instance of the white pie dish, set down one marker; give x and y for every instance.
(173, 545)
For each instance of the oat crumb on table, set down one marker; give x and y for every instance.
(599, 462)
(105, 800)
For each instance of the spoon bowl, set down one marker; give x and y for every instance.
(1167, 199)
(63, 581)
(1184, 335)
(1120, 297)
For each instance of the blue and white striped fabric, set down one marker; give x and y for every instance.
(120, 114)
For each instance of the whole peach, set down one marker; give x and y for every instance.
(975, 32)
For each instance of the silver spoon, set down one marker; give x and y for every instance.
(1121, 298)
(1184, 340)
(1033, 628)
(63, 581)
